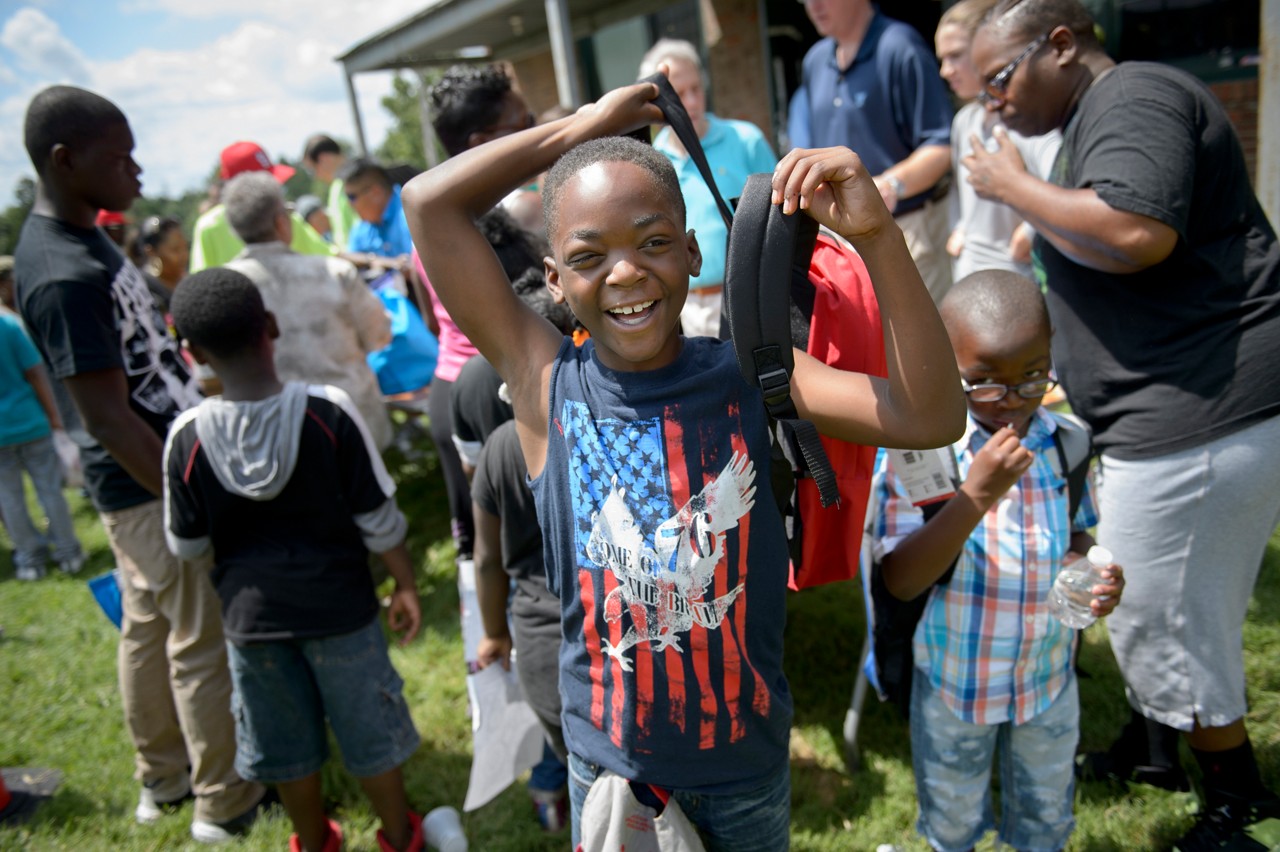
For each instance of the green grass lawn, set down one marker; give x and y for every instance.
(59, 708)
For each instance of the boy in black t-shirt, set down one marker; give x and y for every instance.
(88, 309)
(283, 482)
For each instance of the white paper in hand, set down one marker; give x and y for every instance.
(506, 735)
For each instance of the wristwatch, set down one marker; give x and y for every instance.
(899, 188)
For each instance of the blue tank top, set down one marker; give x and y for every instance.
(666, 548)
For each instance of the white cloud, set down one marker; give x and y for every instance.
(348, 21)
(271, 79)
(40, 47)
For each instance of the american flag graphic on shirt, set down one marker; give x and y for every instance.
(661, 523)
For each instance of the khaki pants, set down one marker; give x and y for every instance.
(926, 233)
(174, 681)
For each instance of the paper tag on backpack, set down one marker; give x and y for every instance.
(928, 475)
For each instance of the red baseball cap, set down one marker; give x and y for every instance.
(249, 157)
(108, 218)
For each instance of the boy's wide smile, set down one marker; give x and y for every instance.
(633, 315)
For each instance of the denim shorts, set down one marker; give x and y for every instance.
(757, 820)
(952, 760)
(284, 690)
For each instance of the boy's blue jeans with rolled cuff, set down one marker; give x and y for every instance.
(284, 691)
(757, 820)
(952, 760)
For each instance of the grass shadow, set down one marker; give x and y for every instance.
(831, 786)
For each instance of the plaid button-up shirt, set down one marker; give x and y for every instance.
(986, 640)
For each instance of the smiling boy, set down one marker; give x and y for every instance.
(646, 449)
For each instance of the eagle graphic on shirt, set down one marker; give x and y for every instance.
(664, 521)
(664, 582)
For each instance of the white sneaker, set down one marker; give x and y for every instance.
(158, 795)
(221, 832)
(29, 574)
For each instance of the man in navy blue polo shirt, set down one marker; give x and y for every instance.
(872, 84)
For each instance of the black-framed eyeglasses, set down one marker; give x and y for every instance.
(995, 89)
(991, 392)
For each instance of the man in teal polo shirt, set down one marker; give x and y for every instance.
(734, 149)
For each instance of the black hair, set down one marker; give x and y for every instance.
(361, 168)
(993, 302)
(610, 149)
(517, 249)
(531, 287)
(466, 100)
(318, 144)
(1032, 18)
(220, 311)
(65, 115)
(150, 234)
(154, 229)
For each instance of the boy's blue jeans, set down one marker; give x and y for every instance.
(30, 547)
(548, 773)
(952, 760)
(757, 820)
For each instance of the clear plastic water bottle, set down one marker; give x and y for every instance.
(1072, 591)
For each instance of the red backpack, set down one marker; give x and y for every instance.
(844, 332)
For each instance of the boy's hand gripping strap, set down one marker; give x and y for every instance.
(765, 249)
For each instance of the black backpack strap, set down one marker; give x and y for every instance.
(1074, 459)
(764, 249)
(678, 119)
(892, 637)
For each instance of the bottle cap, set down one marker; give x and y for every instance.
(1099, 556)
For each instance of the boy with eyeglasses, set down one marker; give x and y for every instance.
(993, 667)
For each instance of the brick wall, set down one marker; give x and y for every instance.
(739, 78)
(535, 77)
(1240, 97)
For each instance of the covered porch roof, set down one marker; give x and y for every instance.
(448, 31)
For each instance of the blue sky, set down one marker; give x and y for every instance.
(114, 30)
(193, 75)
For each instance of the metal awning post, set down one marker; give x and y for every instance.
(563, 57)
(430, 148)
(355, 115)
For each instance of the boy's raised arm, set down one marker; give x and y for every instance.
(442, 205)
(920, 404)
